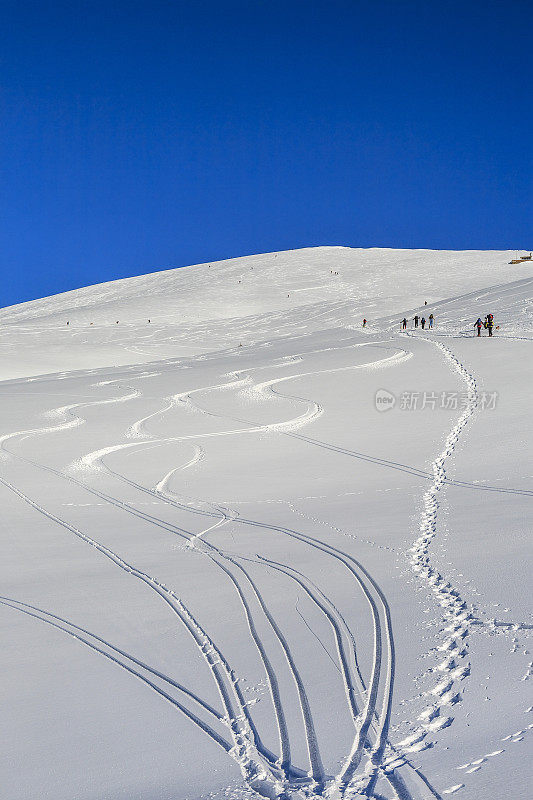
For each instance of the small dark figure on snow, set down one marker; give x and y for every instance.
(415, 320)
(364, 323)
(404, 323)
(431, 319)
(423, 322)
(490, 323)
(478, 325)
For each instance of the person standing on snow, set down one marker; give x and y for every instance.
(415, 320)
(431, 318)
(490, 323)
(423, 322)
(404, 323)
(364, 323)
(478, 325)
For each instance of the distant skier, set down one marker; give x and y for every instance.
(67, 323)
(490, 323)
(404, 323)
(415, 320)
(478, 325)
(364, 323)
(431, 319)
(423, 322)
(425, 302)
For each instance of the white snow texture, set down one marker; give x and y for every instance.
(253, 549)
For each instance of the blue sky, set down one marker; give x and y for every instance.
(137, 136)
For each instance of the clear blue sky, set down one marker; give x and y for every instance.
(137, 136)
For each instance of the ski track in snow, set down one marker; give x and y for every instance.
(91, 460)
(245, 739)
(247, 749)
(371, 757)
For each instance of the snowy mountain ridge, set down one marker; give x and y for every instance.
(255, 284)
(241, 299)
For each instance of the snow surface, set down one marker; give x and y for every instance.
(228, 573)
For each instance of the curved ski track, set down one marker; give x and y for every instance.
(314, 757)
(370, 707)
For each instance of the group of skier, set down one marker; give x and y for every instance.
(422, 320)
(487, 323)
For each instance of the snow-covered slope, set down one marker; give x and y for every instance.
(381, 279)
(252, 549)
(211, 306)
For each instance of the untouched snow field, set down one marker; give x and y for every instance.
(251, 549)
